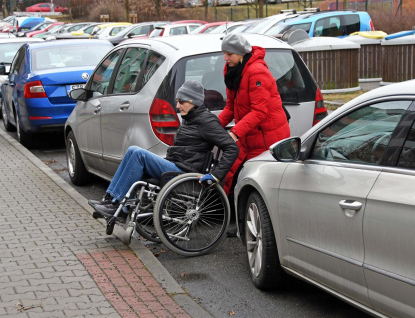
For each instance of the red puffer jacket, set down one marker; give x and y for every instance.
(260, 120)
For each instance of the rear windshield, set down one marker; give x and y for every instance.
(68, 56)
(294, 81)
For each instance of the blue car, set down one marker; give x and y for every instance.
(35, 95)
(326, 23)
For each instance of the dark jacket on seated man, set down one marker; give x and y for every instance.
(199, 132)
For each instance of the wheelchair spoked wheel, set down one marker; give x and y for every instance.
(145, 226)
(191, 219)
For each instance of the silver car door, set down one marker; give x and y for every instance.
(389, 236)
(89, 115)
(322, 200)
(117, 113)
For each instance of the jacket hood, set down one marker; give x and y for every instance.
(258, 53)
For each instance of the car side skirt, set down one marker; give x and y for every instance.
(334, 293)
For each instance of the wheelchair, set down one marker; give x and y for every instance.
(188, 218)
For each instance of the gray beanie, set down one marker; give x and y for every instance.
(236, 43)
(193, 92)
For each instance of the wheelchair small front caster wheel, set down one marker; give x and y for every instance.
(128, 236)
(109, 229)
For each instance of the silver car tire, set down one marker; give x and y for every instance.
(7, 125)
(76, 167)
(263, 261)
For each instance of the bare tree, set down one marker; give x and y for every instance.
(157, 5)
(127, 10)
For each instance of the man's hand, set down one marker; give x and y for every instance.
(208, 179)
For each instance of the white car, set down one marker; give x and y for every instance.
(108, 32)
(173, 29)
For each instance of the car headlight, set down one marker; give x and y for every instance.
(20, 34)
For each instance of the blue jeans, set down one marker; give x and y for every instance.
(136, 161)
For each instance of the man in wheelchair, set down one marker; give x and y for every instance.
(199, 132)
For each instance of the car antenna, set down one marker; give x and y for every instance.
(226, 30)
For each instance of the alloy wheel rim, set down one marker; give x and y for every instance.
(3, 112)
(18, 127)
(253, 234)
(71, 158)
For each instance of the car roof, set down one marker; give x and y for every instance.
(202, 43)
(20, 39)
(176, 25)
(68, 42)
(106, 25)
(313, 16)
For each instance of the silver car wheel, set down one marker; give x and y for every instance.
(18, 128)
(70, 149)
(253, 234)
(3, 112)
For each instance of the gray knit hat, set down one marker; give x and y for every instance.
(236, 43)
(193, 92)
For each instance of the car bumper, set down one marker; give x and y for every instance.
(40, 115)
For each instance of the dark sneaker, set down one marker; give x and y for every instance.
(232, 232)
(109, 210)
(107, 199)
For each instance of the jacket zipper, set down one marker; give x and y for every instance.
(263, 136)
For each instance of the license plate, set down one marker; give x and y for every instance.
(76, 86)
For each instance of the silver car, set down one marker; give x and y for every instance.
(130, 97)
(338, 207)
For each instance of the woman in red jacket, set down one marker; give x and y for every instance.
(252, 101)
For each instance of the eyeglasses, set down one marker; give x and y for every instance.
(180, 101)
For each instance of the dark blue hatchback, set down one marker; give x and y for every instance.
(35, 96)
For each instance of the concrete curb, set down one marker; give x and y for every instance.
(158, 271)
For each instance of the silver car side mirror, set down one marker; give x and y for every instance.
(287, 150)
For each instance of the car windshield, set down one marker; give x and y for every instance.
(8, 51)
(156, 32)
(278, 29)
(198, 29)
(54, 28)
(67, 56)
(221, 28)
(260, 26)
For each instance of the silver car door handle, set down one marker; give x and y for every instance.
(350, 205)
(125, 106)
(97, 109)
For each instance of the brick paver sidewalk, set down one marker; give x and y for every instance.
(56, 261)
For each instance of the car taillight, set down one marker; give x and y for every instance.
(164, 120)
(372, 28)
(320, 111)
(34, 90)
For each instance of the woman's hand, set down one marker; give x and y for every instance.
(234, 137)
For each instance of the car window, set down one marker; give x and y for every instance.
(145, 29)
(115, 30)
(361, 136)
(153, 63)
(128, 71)
(352, 23)
(407, 156)
(294, 82)
(67, 56)
(192, 27)
(101, 78)
(303, 26)
(18, 61)
(90, 29)
(178, 31)
(328, 27)
(156, 32)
